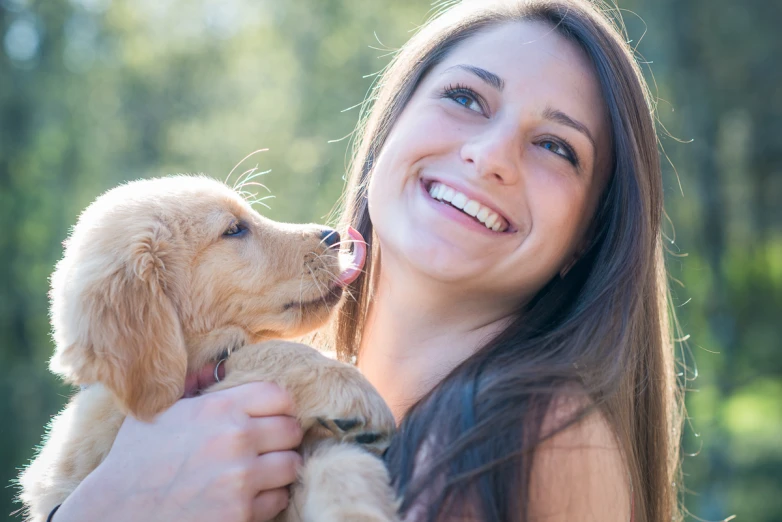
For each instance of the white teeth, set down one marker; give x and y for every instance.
(472, 208)
(468, 206)
(459, 200)
(491, 220)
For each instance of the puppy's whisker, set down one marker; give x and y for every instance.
(242, 161)
(261, 203)
(356, 267)
(247, 195)
(254, 175)
(349, 241)
(315, 280)
(349, 294)
(335, 279)
(329, 275)
(334, 246)
(253, 184)
(248, 176)
(323, 263)
(243, 175)
(319, 257)
(326, 263)
(258, 200)
(346, 291)
(301, 290)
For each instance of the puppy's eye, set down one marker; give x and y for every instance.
(236, 229)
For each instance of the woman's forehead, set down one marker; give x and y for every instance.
(518, 52)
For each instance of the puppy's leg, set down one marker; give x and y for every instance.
(342, 483)
(331, 397)
(79, 439)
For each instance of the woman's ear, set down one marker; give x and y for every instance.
(113, 320)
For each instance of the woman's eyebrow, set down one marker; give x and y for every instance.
(488, 77)
(560, 117)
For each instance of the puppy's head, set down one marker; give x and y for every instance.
(160, 276)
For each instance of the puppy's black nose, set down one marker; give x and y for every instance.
(330, 237)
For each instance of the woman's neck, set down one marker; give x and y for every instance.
(417, 331)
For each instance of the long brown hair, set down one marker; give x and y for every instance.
(604, 326)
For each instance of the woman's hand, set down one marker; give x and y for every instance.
(221, 456)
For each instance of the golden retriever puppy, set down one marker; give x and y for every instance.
(160, 277)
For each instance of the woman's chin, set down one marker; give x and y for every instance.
(450, 266)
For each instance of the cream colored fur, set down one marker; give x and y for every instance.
(150, 287)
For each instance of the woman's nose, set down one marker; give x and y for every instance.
(494, 154)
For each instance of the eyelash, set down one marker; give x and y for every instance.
(572, 157)
(453, 91)
(236, 229)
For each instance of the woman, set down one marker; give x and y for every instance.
(513, 313)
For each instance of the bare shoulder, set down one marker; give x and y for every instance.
(578, 473)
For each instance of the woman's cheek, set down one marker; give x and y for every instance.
(558, 215)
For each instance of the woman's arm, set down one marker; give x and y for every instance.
(221, 456)
(579, 473)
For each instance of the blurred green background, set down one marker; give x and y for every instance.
(94, 92)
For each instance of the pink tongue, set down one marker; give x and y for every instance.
(202, 379)
(356, 262)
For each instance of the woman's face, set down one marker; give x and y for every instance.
(490, 177)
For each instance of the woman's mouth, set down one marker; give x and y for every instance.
(479, 213)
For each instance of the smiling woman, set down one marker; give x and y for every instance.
(513, 309)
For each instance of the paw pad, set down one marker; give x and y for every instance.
(367, 438)
(353, 431)
(347, 424)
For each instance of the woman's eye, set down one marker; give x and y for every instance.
(463, 99)
(463, 96)
(235, 230)
(560, 150)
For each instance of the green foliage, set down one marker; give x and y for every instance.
(96, 92)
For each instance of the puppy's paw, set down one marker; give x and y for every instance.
(343, 483)
(355, 431)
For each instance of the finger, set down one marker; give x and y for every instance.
(278, 433)
(275, 470)
(255, 399)
(262, 399)
(269, 504)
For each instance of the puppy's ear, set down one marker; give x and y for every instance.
(114, 320)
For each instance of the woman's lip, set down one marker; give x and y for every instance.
(457, 215)
(427, 182)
